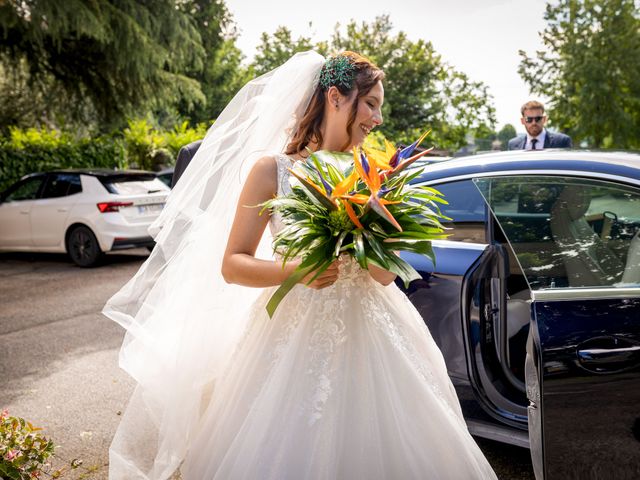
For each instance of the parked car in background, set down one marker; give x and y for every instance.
(534, 301)
(82, 212)
(165, 176)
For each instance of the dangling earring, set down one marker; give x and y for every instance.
(336, 105)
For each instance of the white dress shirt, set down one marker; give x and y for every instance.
(540, 142)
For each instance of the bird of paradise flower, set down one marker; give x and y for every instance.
(335, 211)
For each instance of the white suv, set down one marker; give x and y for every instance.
(81, 212)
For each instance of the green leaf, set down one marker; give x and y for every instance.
(338, 246)
(377, 247)
(360, 253)
(422, 247)
(298, 274)
(335, 175)
(340, 159)
(405, 271)
(376, 228)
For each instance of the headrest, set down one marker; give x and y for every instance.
(574, 200)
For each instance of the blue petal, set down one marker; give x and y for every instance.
(327, 187)
(407, 151)
(365, 162)
(384, 190)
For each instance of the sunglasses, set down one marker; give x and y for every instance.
(533, 119)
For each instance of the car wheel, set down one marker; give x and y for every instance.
(83, 247)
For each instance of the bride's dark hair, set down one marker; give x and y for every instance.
(367, 74)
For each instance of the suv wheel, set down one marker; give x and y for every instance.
(83, 247)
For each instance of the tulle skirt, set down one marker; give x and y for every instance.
(341, 383)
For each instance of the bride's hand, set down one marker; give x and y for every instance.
(325, 279)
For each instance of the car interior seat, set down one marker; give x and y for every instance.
(589, 262)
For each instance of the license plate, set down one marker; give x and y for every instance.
(151, 208)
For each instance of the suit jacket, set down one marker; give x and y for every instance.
(185, 155)
(552, 140)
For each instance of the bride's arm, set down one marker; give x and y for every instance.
(239, 264)
(380, 275)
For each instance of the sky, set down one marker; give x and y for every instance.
(480, 38)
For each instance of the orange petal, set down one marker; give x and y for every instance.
(352, 214)
(345, 185)
(390, 148)
(422, 137)
(356, 198)
(374, 177)
(381, 159)
(359, 168)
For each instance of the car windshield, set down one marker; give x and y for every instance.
(133, 184)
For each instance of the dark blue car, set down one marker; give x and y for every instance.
(535, 303)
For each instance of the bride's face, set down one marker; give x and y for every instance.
(368, 114)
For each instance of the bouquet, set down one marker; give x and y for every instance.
(368, 209)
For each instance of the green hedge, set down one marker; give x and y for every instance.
(86, 153)
(139, 146)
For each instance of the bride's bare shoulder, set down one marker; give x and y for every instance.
(264, 175)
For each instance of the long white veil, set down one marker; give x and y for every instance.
(182, 320)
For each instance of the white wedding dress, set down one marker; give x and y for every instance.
(341, 383)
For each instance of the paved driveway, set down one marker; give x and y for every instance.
(58, 358)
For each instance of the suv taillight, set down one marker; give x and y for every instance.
(105, 207)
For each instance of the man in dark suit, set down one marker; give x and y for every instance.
(537, 137)
(185, 155)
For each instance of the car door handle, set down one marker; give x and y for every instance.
(63, 210)
(608, 357)
(24, 212)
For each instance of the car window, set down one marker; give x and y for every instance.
(569, 232)
(61, 185)
(26, 190)
(165, 178)
(467, 211)
(134, 184)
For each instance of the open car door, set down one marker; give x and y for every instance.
(577, 242)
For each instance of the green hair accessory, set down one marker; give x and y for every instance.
(338, 71)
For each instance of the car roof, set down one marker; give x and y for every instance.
(624, 164)
(102, 172)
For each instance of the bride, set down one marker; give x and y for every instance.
(343, 382)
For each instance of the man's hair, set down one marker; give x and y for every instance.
(531, 105)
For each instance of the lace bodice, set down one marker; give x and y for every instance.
(284, 162)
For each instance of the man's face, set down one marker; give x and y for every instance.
(534, 121)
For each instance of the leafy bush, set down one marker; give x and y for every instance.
(147, 146)
(141, 141)
(23, 451)
(39, 150)
(140, 145)
(182, 135)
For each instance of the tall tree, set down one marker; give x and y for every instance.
(119, 54)
(505, 134)
(277, 48)
(220, 72)
(421, 90)
(413, 73)
(590, 70)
